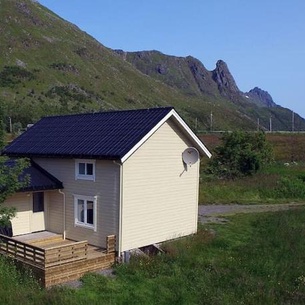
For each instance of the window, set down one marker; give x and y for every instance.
(85, 211)
(85, 170)
(38, 202)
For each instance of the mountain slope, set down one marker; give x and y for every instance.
(49, 66)
(191, 77)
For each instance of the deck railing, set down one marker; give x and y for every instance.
(43, 257)
(22, 251)
(63, 254)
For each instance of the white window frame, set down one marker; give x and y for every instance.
(85, 176)
(77, 222)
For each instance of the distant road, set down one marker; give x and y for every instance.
(215, 213)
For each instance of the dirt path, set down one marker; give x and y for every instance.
(215, 213)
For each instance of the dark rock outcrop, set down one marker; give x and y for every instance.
(224, 79)
(261, 98)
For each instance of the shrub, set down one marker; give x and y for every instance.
(240, 154)
(289, 187)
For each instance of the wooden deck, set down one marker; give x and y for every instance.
(54, 260)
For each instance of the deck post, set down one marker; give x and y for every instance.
(110, 241)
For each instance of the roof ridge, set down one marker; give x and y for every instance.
(110, 111)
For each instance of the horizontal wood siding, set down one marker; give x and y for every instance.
(74, 270)
(22, 222)
(160, 196)
(105, 187)
(54, 212)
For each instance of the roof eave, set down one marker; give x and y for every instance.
(40, 188)
(64, 156)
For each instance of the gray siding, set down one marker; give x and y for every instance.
(105, 187)
(55, 219)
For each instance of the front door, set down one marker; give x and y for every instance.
(38, 216)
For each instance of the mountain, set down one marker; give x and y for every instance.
(260, 97)
(49, 66)
(188, 74)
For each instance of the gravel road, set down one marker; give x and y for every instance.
(216, 213)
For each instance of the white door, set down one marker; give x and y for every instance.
(38, 216)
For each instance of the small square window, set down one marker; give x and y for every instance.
(85, 170)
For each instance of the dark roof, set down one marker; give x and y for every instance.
(39, 178)
(104, 135)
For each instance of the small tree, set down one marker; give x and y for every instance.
(240, 154)
(11, 180)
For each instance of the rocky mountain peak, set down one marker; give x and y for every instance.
(224, 79)
(261, 97)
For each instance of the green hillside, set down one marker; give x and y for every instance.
(49, 66)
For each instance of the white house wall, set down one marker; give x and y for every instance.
(21, 224)
(105, 187)
(160, 196)
(24, 222)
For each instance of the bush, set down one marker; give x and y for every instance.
(240, 154)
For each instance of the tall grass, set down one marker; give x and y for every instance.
(275, 184)
(256, 259)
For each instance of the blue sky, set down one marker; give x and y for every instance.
(262, 42)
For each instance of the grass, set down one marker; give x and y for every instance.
(277, 183)
(254, 259)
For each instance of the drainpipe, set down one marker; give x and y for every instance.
(197, 193)
(64, 220)
(120, 210)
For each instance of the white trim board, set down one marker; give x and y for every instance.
(200, 146)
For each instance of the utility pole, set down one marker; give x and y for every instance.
(292, 122)
(270, 124)
(10, 124)
(211, 121)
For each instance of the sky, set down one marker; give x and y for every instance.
(262, 41)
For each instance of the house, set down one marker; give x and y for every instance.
(119, 173)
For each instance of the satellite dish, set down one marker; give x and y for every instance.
(190, 156)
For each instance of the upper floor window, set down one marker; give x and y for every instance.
(85, 170)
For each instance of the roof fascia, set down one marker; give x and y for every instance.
(202, 149)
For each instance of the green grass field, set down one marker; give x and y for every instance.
(277, 183)
(280, 182)
(254, 259)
